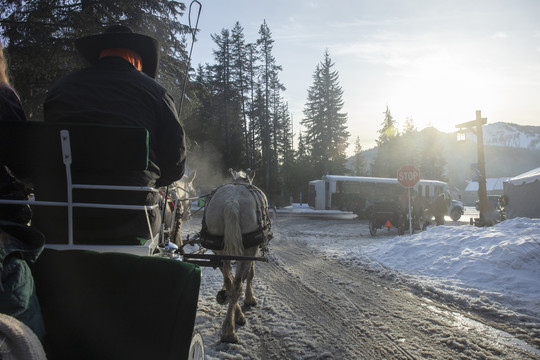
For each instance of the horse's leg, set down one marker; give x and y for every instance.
(224, 294)
(242, 272)
(249, 299)
(234, 312)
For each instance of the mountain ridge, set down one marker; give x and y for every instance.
(509, 150)
(511, 135)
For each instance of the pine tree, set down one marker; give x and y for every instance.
(270, 83)
(388, 158)
(432, 159)
(302, 171)
(388, 129)
(326, 134)
(226, 101)
(409, 126)
(41, 36)
(409, 144)
(285, 152)
(239, 52)
(253, 69)
(358, 161)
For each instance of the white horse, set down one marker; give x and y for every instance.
(239, 213)
(183, 191)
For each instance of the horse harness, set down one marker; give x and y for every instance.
(260, 237)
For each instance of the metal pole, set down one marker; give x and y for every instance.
(193, 31)
(410, 219)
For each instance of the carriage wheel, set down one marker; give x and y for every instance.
(372, 228)
(196, 348)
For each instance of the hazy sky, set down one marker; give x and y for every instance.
(436, 62)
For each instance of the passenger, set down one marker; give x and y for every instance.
(118, 88)
(20, 245)
(11, 187)
(10, 103)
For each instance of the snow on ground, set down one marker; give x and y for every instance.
(493, 269)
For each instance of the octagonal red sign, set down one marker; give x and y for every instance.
(408, 176)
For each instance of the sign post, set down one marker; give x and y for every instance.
(408, 176)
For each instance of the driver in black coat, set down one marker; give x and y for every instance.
(118, 88)
(113, 91)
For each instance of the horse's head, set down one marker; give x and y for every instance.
(242, 177)
(185, 191)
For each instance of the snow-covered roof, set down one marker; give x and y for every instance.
(359, 178)
(370, 179)
(491, 184)
(525, 178)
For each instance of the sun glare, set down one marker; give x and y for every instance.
(440, 90)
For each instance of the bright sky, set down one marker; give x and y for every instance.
(436, 62)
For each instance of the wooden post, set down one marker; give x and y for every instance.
(482, 191)
(475, 127)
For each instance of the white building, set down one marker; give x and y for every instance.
(494, 186)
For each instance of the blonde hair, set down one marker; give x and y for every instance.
(4, 77)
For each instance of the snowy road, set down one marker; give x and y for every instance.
(314, 307)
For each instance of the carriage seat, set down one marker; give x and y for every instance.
(101, 158)
(116, 306)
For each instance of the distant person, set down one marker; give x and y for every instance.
(118, 88)
(439, 208)
(418, 209)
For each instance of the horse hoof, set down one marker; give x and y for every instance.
(250, 303)
(240, 320)
(232, 339)
(222, 298)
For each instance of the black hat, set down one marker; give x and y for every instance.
(119, 36)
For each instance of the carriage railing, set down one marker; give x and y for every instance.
(146, 249)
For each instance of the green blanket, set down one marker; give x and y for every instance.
(20, 246)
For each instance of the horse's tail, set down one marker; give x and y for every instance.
(233, 244)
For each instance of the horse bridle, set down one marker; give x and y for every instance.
(185, 211)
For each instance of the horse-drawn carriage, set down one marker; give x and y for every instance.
(387, 214)
(105, 300)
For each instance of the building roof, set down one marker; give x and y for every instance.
(492, 184)
(525, 178)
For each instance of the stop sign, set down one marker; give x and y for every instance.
(408, 176)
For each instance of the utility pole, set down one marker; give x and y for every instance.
(475, 127)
